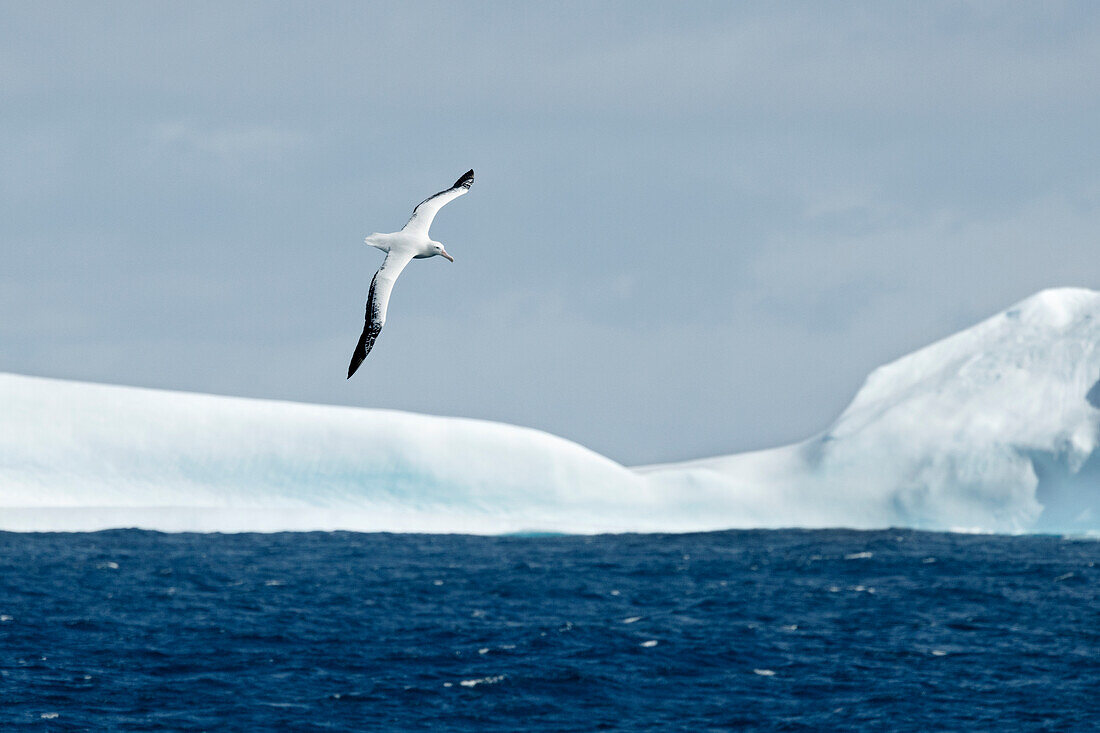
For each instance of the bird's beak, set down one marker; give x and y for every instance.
(444, 253)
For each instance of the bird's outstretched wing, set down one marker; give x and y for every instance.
(425, 211)
(380, 287)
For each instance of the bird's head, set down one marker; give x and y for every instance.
(436, 248)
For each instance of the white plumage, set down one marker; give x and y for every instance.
(412, 242)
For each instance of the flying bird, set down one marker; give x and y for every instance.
(412, 242)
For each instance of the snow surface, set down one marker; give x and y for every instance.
(992, 429)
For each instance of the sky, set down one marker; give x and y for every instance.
(695, 228)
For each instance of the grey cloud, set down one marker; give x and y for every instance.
(695, 228)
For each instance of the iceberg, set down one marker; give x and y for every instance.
(992, 429)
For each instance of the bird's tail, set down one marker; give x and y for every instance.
(375, 240)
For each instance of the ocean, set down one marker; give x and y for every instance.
(755, 630)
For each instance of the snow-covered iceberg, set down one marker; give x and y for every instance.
(994, 428)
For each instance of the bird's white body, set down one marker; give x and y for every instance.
(402, 242)
(412, 242)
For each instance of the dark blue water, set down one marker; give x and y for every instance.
(769, 630)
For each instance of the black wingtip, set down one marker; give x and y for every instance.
(356, 360)
(466, 181)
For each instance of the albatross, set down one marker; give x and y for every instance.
(411, 243)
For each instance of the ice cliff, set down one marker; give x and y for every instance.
(994, 428)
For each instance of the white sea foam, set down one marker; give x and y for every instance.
(482, 681)
(992, 429)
